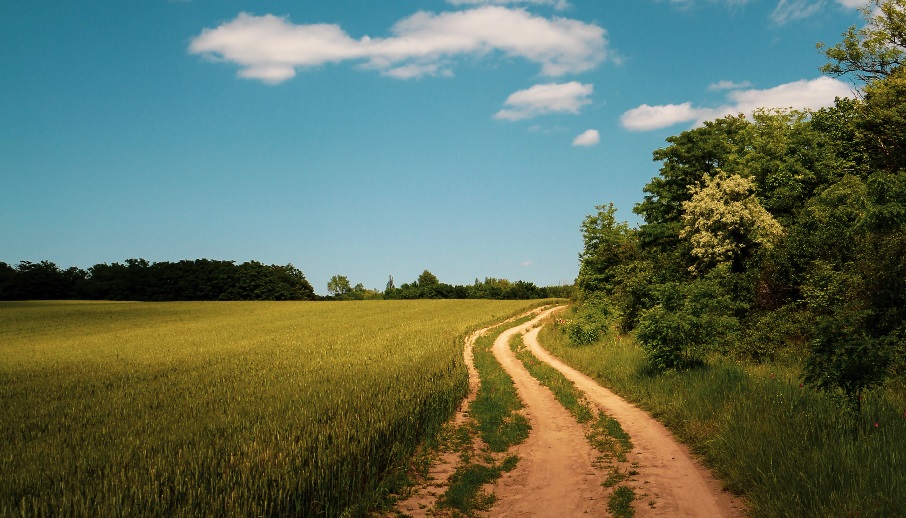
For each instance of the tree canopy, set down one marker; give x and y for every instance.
(138, 279)
(776, 235)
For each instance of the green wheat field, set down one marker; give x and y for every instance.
(182, 409)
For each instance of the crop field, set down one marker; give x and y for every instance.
(258, 408)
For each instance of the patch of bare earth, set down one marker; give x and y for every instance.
(672, 481)
(559, 474)
(422, 498)
(555, 475)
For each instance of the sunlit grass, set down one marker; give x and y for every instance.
(789, 450)
(222, 408)
(496, 418)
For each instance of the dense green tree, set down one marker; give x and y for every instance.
(782, 229)
(338, 285)
(691, 155)
(426, 279)
(883, 122)
(607, 244)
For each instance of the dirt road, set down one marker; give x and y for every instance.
(555, 477)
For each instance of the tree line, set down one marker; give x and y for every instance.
(206, 279)
(140, 280)
(775, 237)
(428, 286)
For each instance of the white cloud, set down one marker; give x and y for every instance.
(559, 5)
(271, 48)
(588, 138)
(545, 98)
(799, 95)
(728, 85)
(646, 117)
(525, 264)
(792, 10)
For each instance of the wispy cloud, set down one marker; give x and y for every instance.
(271, 48)
(687, 4)
(588, 138)
(559, 5)
(784, 12)
(804, 94)
(544, 99)
(792, 10)
(728, 85)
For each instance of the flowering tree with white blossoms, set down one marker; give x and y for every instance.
(725, 222)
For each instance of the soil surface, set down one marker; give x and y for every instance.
(670, 481)
(556, 474)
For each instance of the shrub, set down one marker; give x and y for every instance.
(845, 359)
(593, 319)
(690, 320)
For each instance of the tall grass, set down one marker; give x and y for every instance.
(789, 450)
(264, 409)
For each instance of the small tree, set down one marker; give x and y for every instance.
(338, 285)
(844, 357)
(607, 245)
(427, 279)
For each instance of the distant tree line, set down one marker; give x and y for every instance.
(140, 280)
(428, 286)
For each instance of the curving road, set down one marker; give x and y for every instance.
(555, 476)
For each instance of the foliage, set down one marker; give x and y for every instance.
(592, 320)
(875, 50)
(607, 244)
(140, 280)
(845, 357)
(690, 321)
(428, 286)
(338, 285)
(691, 156)
(183, 409)
(776, 236)
(724, 222)
(788, 449)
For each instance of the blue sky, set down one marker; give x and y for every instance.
(368, 139)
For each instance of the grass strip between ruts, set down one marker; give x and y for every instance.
(496, 419)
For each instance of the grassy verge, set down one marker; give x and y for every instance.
(789, 450)
(604, 432)
(497, 421)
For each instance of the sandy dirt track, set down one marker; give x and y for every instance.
(670, 477)
(555, 475)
